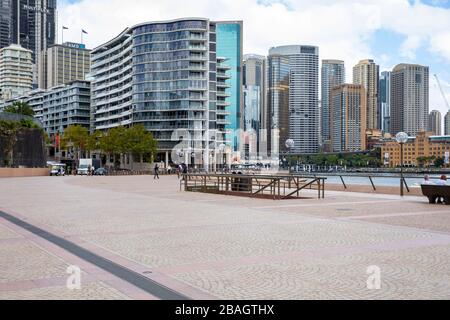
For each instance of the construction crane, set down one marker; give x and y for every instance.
(442, 92)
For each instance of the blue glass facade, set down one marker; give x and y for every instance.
(229, 46)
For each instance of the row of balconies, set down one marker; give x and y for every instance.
(124, 46)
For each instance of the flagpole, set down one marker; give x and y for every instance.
(62, 35)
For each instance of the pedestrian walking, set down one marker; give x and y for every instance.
(179, 168)
(92, 171)
(156, 172)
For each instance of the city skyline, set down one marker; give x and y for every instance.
(368, 31)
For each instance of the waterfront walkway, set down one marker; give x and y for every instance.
(137, 238)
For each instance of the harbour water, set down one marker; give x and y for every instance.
(389, 180)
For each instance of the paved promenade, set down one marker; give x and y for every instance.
(204, 246)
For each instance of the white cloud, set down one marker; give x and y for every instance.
(342, 29)
(410, 46)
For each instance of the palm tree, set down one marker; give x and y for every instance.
(20, 107)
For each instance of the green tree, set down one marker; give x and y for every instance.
(77, 138)
(20, 107)
(140, 142)
(8, 132)
(439, 162)
(420, 161)
(113, 142)
(94, 141)
(332, 160)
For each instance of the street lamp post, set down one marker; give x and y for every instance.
(289, 145)
(401, 138)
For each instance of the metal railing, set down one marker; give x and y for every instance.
(371, 179)
(255, 186)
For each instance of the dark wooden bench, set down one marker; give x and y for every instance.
(434, 192)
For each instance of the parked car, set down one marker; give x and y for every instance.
(83, 166)
(58, 170)
(101, 172)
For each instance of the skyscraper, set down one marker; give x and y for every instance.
(64, 63)
(294, 97)
(348, 118)
(5, 23)
(30, 24)
(16, 73)
(333, 75)
(447, 124)
(33, 25)
(166, 76)
(435, 122)
(409, 99)
(255, 113)
(366, 73)
(277, 103)
(230, 46)
(385, 101)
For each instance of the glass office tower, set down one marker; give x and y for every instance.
(385, 101)
(333, 75)
(294, 74)
(255, 92)
(229, 46)
(278, 103)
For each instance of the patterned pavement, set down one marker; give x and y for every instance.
(218, 247)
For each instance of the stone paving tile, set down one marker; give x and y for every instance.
(170, 248)
(6, 233)
(404, 275)
(358, 207)
(435, 222)
(26, 261)
(90, 291)
(239, 247)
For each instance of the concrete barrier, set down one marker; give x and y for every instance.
(23, 172)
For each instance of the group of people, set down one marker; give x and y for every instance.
(180, 169)
(441, 182)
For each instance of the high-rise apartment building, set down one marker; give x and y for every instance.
(333, 75)
(293, 103)
(366, 73)
(230, 46)
(435, 122)
(409, 99)
(67, 105)
(348, 118)
(222, 113)
(60, 107)
(16, 72)
(164, 75)
(64, 63)
(447, 124)
(255, 107)
(385, 101)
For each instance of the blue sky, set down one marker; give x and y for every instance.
(388, 31)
